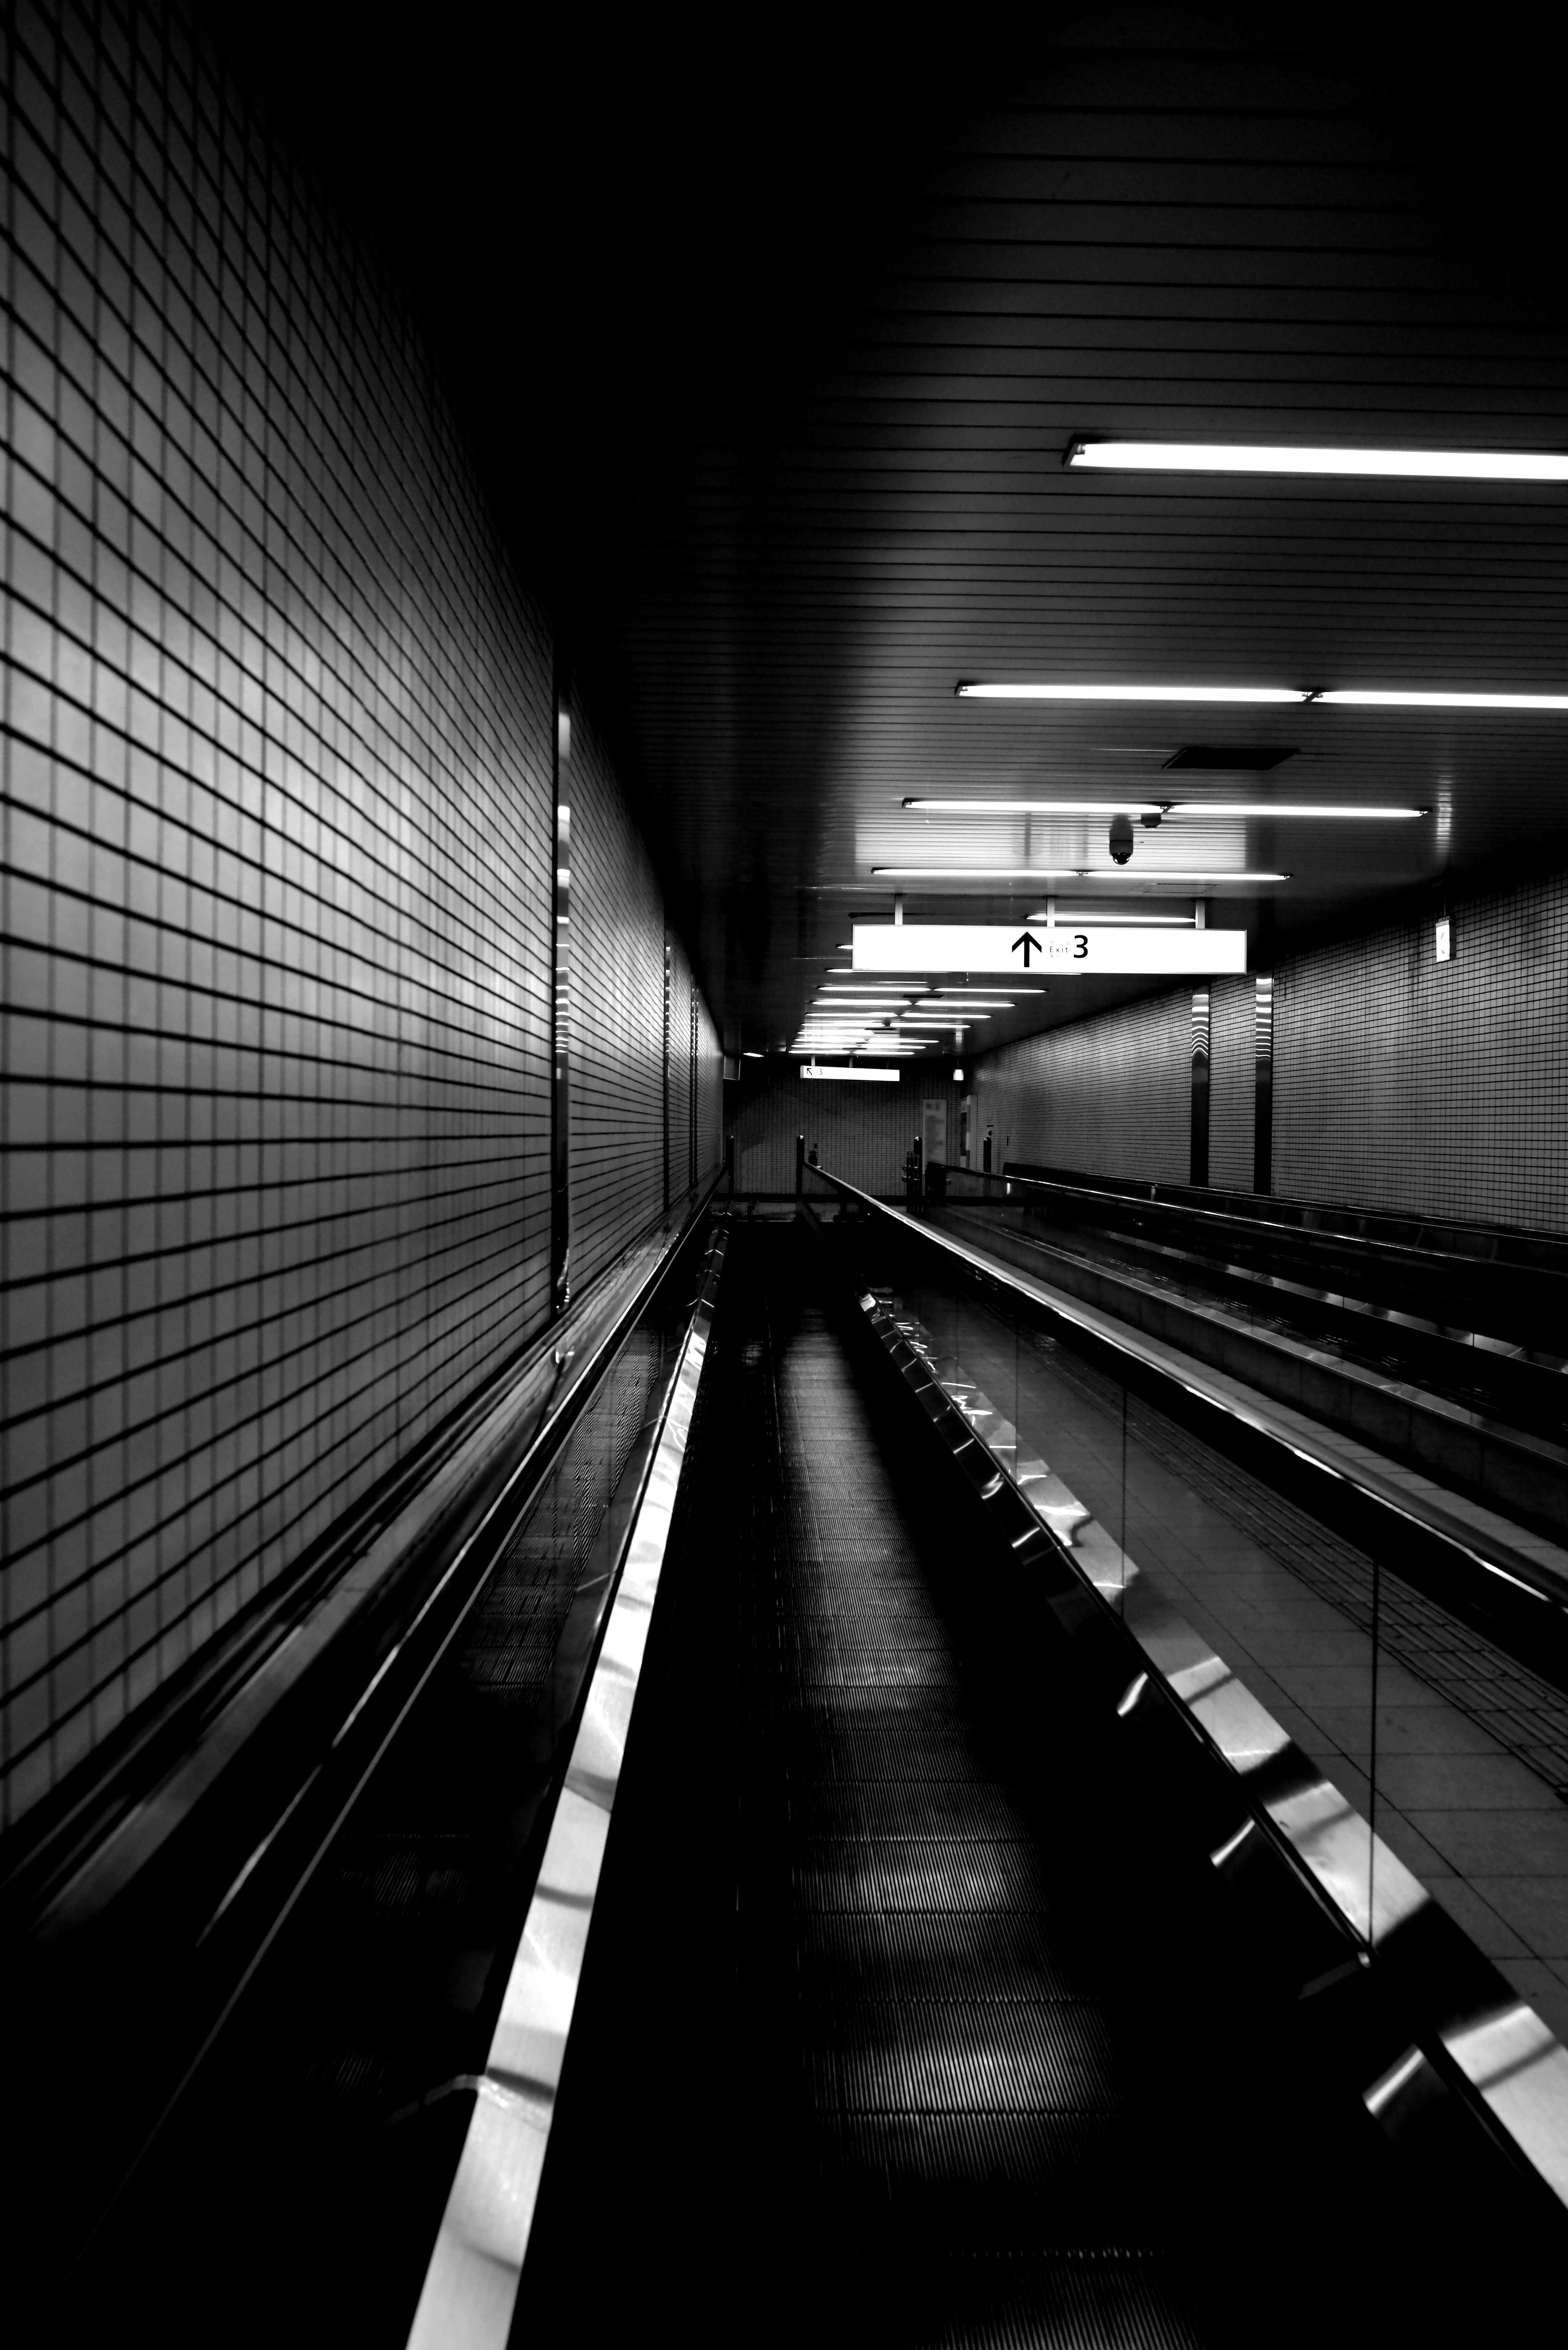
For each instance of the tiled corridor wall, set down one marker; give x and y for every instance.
(1400, 1083)
(615, 996)
(1111, 1095)
(860, 1131)
(1233, 1091)
(276, 907)
(617, 1013)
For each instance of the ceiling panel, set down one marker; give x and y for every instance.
(819, 331)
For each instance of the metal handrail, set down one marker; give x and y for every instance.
(1477, 2038)
(1524, 1564)
(1512, 1250)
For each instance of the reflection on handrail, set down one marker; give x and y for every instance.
(471, 2286)
(1513, 2061)
(1524, 1562)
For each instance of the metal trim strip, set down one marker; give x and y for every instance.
(517, 1428)
(1479, 1534)
(1514, 2068)
(470, 2285)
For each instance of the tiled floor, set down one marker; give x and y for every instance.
(1485, 1833)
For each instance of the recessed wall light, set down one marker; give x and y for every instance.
(1269, 457)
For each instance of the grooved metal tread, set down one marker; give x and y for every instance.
(950, 2081)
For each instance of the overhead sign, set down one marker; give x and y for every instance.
(1094, 953)
(852, 1077)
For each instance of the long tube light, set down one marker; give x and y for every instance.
(1367, 697)
(1163, 807)
(1269, 457)
(978, 872)
(1036, 873)
(1324, 808)
(1044, 807)
(1166, 873)
(1376, 698)
(1039, 990)
(974, 692)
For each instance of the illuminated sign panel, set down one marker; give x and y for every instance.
(1100, 952)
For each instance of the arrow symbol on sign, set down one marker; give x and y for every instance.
(1029, 944)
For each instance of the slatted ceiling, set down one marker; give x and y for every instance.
(1149, 234)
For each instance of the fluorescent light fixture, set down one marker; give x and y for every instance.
(958, 1020)
(1375, 698)
(1371, 697)
(969, 1003)
(1289, 808)
(971, 691)
(978, 872)
(751, 1056)
(1043, 807)
(1269, 457)
(1066, 921)
(1163, 873)
(1163, 807)
(1079, 873)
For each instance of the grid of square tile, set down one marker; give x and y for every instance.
(1407, 1084)
(710, 1091)
(616, 994)
(861, 1132)
(1231, 1091)
(1400, 1083)
(276, 860)
(679, 1068)
(1109, 1095)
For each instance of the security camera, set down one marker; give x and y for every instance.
(1121, 840)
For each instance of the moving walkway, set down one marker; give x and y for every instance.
(785, 1872)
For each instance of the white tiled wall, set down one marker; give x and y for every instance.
(1400, 1083)
(277, 742)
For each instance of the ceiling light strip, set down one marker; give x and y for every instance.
(1327, 810)
(1274, 457)
(1376, 698)
(975, 691)
(1081, 873)
(1042, 807)
(1367, 697)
